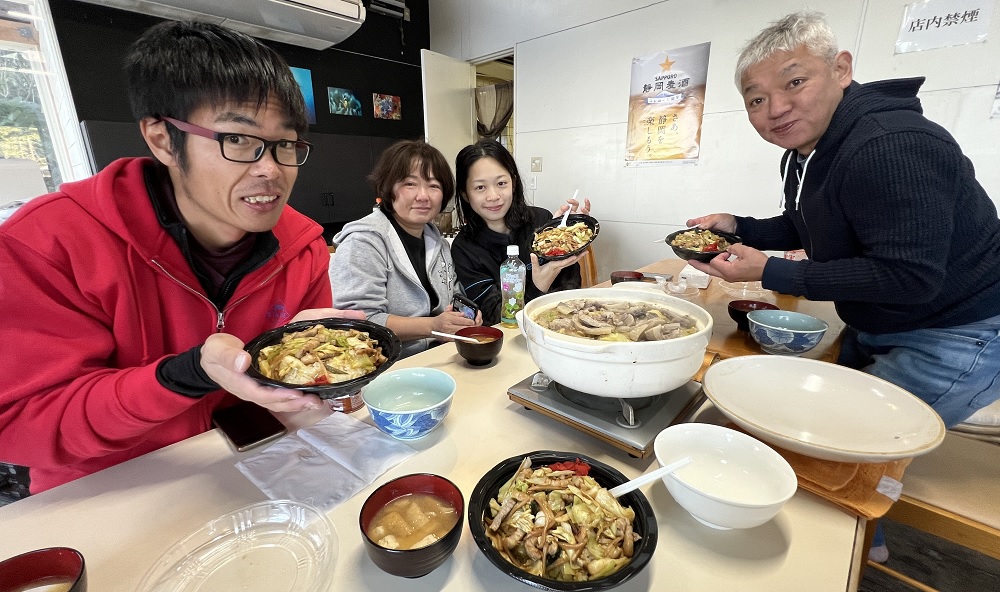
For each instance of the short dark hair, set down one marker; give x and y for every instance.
(519, 212)
(397, 162)
(176, 67)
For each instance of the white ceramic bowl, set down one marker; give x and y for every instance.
(821, 409)
(615, 369)
(410, 403)
(733, 481)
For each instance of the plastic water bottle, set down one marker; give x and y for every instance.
(512, 277)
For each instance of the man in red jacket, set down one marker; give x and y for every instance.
(128, 296)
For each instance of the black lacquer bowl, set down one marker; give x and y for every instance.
(387, 340)
(606, 476)
(591, 223)
(703, 256)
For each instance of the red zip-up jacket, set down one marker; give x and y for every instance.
(93, 295)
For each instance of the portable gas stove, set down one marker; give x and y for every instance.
(628, 424)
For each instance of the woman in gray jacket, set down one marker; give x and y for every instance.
(393, 264)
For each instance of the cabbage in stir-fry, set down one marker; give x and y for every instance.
(320, 355)
(556, 241)
(704, 241)
(560, 525)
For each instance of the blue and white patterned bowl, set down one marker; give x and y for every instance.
(784, 332)
(410, 403)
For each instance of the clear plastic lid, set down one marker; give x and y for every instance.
(267, 546)
(513, 251)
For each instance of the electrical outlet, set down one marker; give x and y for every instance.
(533, 183)
(536, 164)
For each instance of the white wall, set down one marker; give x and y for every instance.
(571, 78)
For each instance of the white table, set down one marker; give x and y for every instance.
(124, 517)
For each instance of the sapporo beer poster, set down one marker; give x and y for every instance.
(666, 104)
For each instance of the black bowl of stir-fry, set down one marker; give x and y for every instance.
(327, 357)
(552, 243)
(529, 540)
(700, 244)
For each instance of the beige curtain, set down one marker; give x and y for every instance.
(494, 106)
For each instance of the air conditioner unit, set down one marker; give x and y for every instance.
(316, 24)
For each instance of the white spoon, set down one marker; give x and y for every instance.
(648, 477)
(453, 336)
(568, 210)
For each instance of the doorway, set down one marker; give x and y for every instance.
(495, 100)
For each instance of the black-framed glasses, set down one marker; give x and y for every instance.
(246, 148)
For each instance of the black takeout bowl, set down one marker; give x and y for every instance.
(387, 340)
(703, 256)
(591, 223)
(606, 476)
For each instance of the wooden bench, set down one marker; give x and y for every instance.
(950, 493)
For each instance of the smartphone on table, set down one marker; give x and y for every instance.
(248, 425)
(465, 306)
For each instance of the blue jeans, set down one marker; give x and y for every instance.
(956, 370)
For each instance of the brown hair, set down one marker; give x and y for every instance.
(397, 162)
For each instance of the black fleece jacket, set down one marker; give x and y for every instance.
(478, 256)
(899, 233)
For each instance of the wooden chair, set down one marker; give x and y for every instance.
(588, 268)
(950, 493)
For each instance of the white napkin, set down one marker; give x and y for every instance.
(325, 464)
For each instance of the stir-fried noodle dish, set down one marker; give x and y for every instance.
(320, 355)
(704, 241)
(615, 320)
(559, 523)
(556, 241)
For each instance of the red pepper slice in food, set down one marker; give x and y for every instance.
(711, 247)
(577, 466)
(554, 252)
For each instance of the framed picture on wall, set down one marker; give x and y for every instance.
(387, 106)
(304, 78)
(343, 101)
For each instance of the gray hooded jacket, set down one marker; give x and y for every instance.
(371, 264)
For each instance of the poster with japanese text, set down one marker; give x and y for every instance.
(666, 103)
(995, 114)
(930, 24)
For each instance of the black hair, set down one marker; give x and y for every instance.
(176, 67)
(396, 163)
(519, 212)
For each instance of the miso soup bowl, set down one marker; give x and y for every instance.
(54, 568)
(410, 403)
(480, 354)
(412, 563)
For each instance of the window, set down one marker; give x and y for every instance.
(38, 121)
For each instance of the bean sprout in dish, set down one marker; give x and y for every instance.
(560, 524)
(319, 355)
(556, 241)
(704, 241)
